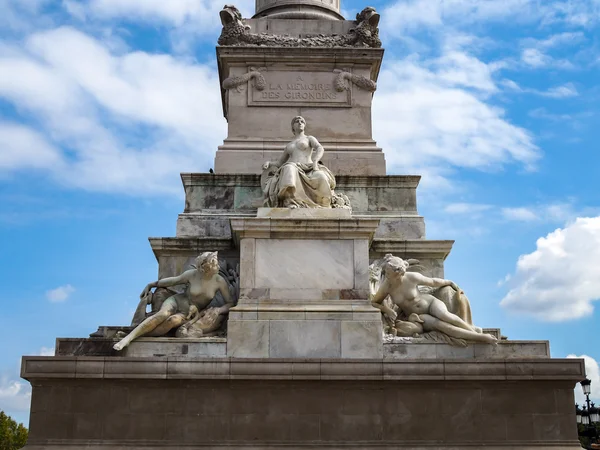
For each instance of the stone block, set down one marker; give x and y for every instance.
(361, 339)
(404, 227)
(135, 368)
(184, 368)
(304, 339)
(413, 370)
(247, 263)
(195, 225)
(248, 339)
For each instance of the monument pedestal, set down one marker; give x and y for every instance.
(118, 403)
(304, 286)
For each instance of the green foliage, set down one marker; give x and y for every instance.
(13, 436)
(587, 436)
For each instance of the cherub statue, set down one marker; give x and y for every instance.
(425, 312)
(202, 282)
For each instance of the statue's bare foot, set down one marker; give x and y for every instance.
(119, 346)
(490, 339)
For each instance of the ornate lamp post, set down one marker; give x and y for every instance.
(589, 416)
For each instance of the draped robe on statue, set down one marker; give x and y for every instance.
(306, 188)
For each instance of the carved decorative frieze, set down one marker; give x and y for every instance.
(236, 33)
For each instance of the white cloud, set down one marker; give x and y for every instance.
(60, 294)
(405, 15)
(466, 208)
(435, 113)
(25, 148)
(556, 40)
(535, 58)
(124, 122)
(520, 214)
(564, 91)
(46, 351)
(559, 280)
(14, 395)
(593, 373)
(187, 18)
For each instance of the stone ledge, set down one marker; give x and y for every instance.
(61, 444)
(418, 248)
(342, 181)
(41, 367)
(174, 246)
(313, 229)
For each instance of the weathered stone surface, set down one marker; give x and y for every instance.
(305, 338)
(228, 403)
(361, 339)
(295, 263)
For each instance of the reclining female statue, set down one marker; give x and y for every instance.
(202, 283)
(297, 180)
(425, 312)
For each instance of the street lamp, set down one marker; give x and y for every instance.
(589, 415)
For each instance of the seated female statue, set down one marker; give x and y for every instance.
(297, 180)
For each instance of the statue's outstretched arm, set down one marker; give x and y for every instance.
(166, 282)
(431, 282)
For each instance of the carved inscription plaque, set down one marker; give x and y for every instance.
(285, 88)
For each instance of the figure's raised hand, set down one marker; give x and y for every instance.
(266, 165)
(146, 291)
(454, 286)
(192, 312)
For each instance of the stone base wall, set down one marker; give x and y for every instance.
(118, 403)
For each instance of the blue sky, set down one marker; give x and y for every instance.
(104, 102)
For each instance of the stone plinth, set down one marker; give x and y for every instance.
(214, 347)
(304, 287)
(299, 81)
(219, 403)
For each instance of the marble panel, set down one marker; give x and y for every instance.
(248, 339)
(362, 339)
(305, 339)
(297, 264)
(361, 264)
(247, 266)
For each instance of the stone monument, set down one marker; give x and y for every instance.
(300, 304)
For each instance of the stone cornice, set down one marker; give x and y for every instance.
(229, 179)
(177, 368)
(420, 248)
(175, 246)
(233, 55)
(303, 228)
